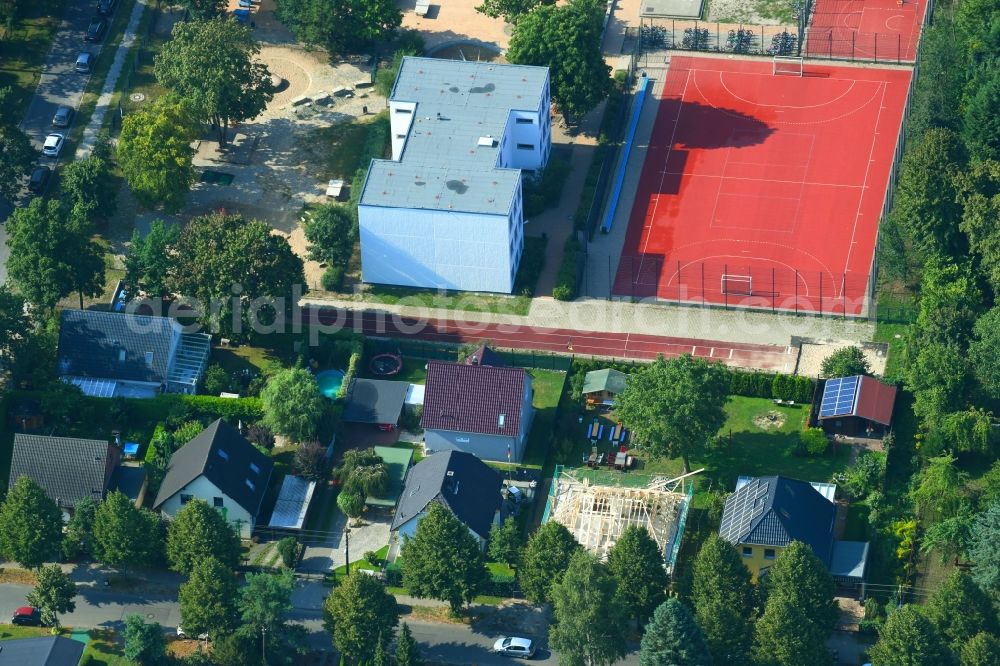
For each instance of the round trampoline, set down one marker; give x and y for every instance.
(329, 382)
(386, 365)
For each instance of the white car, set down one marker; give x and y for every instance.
(53, 145)
(514, 646)
(181, 634)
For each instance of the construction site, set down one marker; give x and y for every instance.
(598, 506)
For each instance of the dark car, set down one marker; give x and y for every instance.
(39, 178)
(106, 7)
(96, 29)
(27, 616)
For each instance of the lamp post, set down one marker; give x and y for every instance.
(263, 644)
(347, 545)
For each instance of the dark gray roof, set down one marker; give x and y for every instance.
(461, 481)
(775, 510)
(849, 559)
(41, 651)
(374, 401)
(91, 345)
(225, 458)
(128, 480)
(68, 469)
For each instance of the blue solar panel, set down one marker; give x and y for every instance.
(839, 397)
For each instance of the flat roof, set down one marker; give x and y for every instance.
(378, 401)
(849, 559)
(397, 460)
(293, 503)
(445, 165)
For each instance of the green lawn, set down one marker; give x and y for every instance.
(23, 52)
(336, 150)
(548, 388)
(104, 650)
(445, 300)
(142, 80)
(10, 632)
(414, 371)
(362, 563)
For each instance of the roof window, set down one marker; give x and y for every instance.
(223, 454)
(250, 484)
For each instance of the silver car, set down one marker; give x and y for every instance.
(63, 115)
(53, 145)
(515, 646)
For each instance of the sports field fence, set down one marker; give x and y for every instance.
(659, 34)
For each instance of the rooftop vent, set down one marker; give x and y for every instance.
(487, 142)
(451, 472)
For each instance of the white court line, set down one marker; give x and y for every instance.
(762, 180)
(784, 106)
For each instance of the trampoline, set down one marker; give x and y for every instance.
(386, 365)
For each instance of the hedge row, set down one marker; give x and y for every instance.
(565, 288)
(352, 370)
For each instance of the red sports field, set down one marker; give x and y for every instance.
(761, 190)
(886, 30)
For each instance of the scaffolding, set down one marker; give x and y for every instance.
(597, 514)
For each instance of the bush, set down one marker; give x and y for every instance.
(371, 557)
(352, 370)
(216, 381)
(532, 263)
(565, 288)
(545, 190)
(333, 278)
(288, 548)
(811, 442)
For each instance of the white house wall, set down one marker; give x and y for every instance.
(400, 119)
(203, 489)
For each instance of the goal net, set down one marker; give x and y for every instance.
(739, 285)
(790, 65)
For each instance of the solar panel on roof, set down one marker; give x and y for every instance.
(95, 388)
(839, 397)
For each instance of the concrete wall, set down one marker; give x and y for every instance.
(527, 128)
(203, 489)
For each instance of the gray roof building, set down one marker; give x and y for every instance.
(67, 468)
(467, 486)
(41, 651)
(376, 401)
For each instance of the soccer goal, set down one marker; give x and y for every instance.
(790, 65)
(739, 285)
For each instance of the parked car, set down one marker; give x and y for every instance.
(96, 29)
(106, 7)
(27, 616)
(53, 145)
(181, 634)
(63, 115)
(39, 178)
(84, 62)
(515, 646)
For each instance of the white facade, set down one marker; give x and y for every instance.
(203, 489)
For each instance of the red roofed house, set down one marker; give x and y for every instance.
(857, 406)
(480, 409)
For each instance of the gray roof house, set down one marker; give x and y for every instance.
(484, 410)
(376, 401)
(109, 354)
(41, 651)
(222, 468)
(67, 468)
(465, 485)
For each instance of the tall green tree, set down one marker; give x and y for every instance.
(197, 532)
(984, 549)
(155, 154)
(30, 525)
(80, 529)
(124, 535)
(981, 126)
(950, 303)
(940, 378)
(544, 560)
(723, 600)
(213, 65)
(293, 404)
(510, 10)
(801, 576)
(959, 609)
(53, 593)
(331, 236)
(846, 362)
(909, 639)
(982, 650)
(672, 637)
(950, 538)
(244, 277)
(785, 636)
(17, 326)
(505, 542)
(675, 407)
(567, 40)
(204, 10)
(208, 599)
(359, 613)
(350, 25)
(53, 253)
(938, 493)
(90, 184)
(149, 258)
(16, 157)
(264, 604)
(443, 560)
(967, 431)
(979, 195)
(407, 653)
(984, 352)
(144, 643)
(637, 565)
(591, 620)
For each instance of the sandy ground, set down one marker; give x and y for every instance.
(812, 355)
(455, 21)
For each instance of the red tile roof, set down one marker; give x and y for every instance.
(875, 401)
(472, 398)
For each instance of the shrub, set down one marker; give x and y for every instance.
(811, 442)
(288, 549)
(352, 370)
(333, 278)
(216, 381)
(260, 434)
(371, 557)
(545, 190)
(532, 263)
(565, 288)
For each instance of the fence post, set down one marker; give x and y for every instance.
(796, 291)
(899, 48)
(774, 292)
(703, 284)
(843, 293)
(830, 35)
(725, 292)
(678, 280)
(854, 44)
(821, 293)
(876, 47)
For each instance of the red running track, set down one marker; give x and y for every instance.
(881, 30)
(565, 341)
(761, 190)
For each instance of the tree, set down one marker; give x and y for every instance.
(567, 40)
(16, 157)
(359, 613)
(984, 549)
(155, 153)
(867, 474)
(959, 609)
(981, 127)
(591, 621)
(149, 258)
(505, 542)
(208, 599)
(53, 253)
(950, 537)
(381, 656)
(675, 407)
(544, 560)
(197, 532)
(264, 602)
(30, 525)
(979, 194)
(443, 560)
(801, 576)
(846, 362)
(352, 503)
(984, 350)
(723, 600)
(510, 10)
(938, 493)
(310, 461)
(909, 639)
(363, 472)
(125, 535)
(293, 404)
(17, 329)
(245, 277)
(785, 636)
(235, 649)
(212, 65)
(204, 10)
(637, 564)
(967, 431)
(288, 548)
(982, 650)
(340, 26)
(90, 184)
(53, 594)
(950, 303)
(673, 637)
(939, 377)
(385, 77)
(144, 643)
(330, 231)
(80, 529)
(407, 653)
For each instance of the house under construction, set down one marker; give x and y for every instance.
(597, 513)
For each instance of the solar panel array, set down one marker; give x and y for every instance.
(742, 508)
(839, 397)
(96, 388)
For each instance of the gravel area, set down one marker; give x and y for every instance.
(754, 12)
(812, 355)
